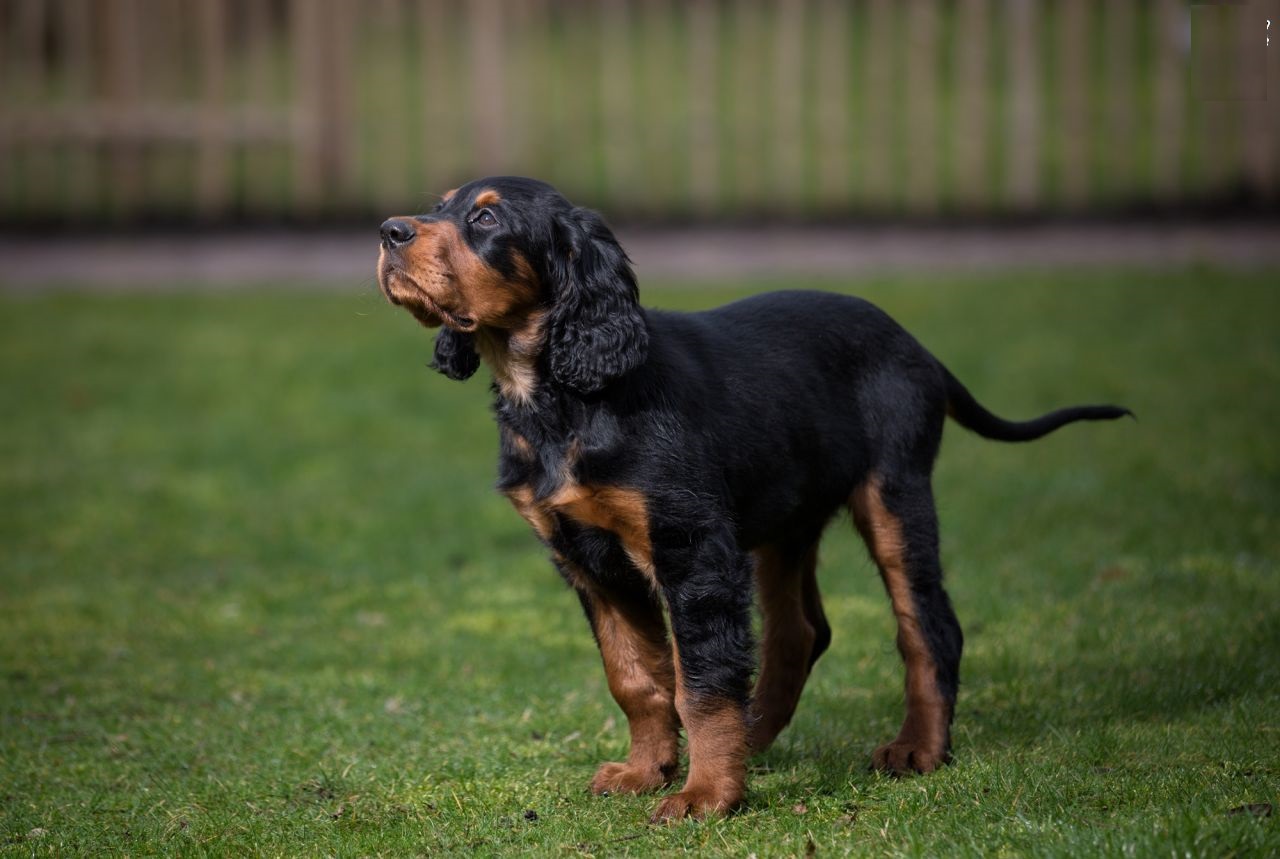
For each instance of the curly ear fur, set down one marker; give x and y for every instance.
(456, 355)
(596, 330)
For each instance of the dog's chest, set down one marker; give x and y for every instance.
(594, 526)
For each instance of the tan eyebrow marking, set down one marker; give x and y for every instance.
(488, 197)
(448, 195)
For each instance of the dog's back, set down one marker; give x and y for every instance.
(795, 397)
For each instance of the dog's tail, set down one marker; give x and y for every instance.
(970, 414)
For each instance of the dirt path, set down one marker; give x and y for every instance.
(345, 259)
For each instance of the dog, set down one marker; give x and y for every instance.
(675, 464)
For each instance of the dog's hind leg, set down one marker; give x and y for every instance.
(795, 634)
(898, 522)
(813, 610)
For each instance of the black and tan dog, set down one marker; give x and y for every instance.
(680, 462)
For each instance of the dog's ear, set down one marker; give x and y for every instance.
(456, 355)
(596, 330)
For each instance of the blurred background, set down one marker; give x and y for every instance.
(257, 594)
(144, 112)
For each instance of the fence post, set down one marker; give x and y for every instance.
(74, 21)
(973, 82)
(661, 161)
(123, 83)
(1258, 120)
(342, 158)
(1217, 120)
(436, 39)
(1073, 140)
(1171, 93)
(703, 60)
(832, 84)
(260, 45)
(389, 163)
(878, 167)
(211, 187)
(485, 64)
(1023, 143)
(39, 177)
(788, 105)
(1120, 47)
(922, 108)
(616, 102)
(304, 31)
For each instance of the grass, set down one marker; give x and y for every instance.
(257, 596)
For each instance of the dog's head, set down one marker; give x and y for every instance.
(507, 255)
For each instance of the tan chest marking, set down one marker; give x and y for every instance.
(616, 509)
(512, 356)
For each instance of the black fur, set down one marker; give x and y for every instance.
(745, 426)
(455, 355)
(596, 331)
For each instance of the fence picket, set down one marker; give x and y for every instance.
(787, 115)
(1115, 157)
(703, 58)
(1257, 115)
(304, 37)
(488, 99)
(211, 187)
(616, 95)
(1171, 90)
(123, 77)
(878, 87)
(831, 83)
(972, 117)
(922, 108)
(1023, 132)
(1073, 85)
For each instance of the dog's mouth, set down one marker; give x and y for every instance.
(403, 290)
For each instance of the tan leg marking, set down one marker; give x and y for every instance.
(637, 662)
(921, 745)
(616, 509)
(535, 514)
(717, 759)
(788, 641)
(619, 510)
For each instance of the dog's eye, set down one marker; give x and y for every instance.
(484, 218)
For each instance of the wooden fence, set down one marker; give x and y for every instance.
(260, 110)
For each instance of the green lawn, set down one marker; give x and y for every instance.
(258, 596)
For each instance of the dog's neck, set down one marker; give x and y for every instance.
(512, 357)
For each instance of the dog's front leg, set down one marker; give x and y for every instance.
(708, 595)
(637, 662)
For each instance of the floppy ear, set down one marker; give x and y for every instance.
(596, 330)
(456, 354)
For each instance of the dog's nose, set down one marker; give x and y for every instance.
(396, 232)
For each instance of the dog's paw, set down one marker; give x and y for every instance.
(903, 757)
(626, 777)
(695, 802)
